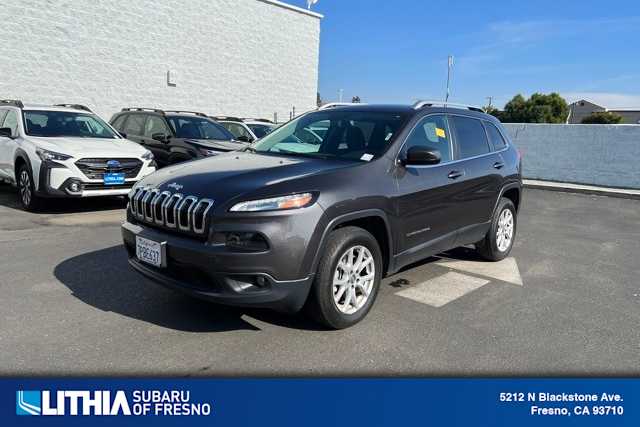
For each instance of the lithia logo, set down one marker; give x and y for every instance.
(28, 402)
(107, 402)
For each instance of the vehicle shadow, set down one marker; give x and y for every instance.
(104, 280)
(462, 253)
(9, 198)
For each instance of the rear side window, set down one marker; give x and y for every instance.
(495, 137)
(119, 121)
(2, 114)
(471, 138)
(134, 125)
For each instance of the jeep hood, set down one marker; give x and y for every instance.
(230, 175)
(91, 147)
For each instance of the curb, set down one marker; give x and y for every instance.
(566, 187)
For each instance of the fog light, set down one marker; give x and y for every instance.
(75, 187)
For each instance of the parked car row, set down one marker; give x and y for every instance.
(66, 150)
(247, 130)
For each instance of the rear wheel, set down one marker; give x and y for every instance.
(499, 239)
(348, 278)
(26, 189)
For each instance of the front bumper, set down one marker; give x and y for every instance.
(213, 273)
(54, 179)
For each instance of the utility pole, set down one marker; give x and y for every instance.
(340, 92)
(449, 67)
(490, 98)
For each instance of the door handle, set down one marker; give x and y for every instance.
(455, 174)
(498, 165)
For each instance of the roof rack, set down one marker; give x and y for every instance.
(445, 104)
(155, 110)
(188, 112)
(75, 106)
(12, 102)
(227, 118)
(338, 104)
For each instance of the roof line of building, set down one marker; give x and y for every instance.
(294, 8)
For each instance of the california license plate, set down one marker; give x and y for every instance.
(113, 178)
(151, 252)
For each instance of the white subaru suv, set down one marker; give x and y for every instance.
(66, 150)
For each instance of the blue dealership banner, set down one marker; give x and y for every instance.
(320, 402)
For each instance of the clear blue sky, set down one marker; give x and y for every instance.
(396, 50)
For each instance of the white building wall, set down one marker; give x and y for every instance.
(232, 57)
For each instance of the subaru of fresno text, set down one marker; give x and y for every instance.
(66, 151)
(288, 223)
(175, 136)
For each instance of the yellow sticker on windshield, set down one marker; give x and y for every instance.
(440, 133)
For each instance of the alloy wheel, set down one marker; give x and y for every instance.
(504, 234)
(353, 279)
(25, 188)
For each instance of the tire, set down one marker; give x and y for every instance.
(26, 190)
(328, 302)
(499, 240)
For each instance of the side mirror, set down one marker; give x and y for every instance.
(6, 133)
(421, 156)
(160, 137)
(243, 138)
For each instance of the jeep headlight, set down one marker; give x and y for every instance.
(51, 155)
(294, 201)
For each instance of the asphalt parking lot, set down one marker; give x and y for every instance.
(566, 302)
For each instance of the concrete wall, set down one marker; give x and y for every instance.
(605, 155)
(233, 57)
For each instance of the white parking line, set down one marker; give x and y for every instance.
(443, 289)
(505, 270)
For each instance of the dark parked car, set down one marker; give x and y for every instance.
(288, 223)
(175, 136)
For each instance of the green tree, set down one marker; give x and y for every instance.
(493, 111)
(539, 108)
(602, 118)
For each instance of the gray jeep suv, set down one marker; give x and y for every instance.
(316, 219)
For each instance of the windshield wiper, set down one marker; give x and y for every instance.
(295, 153)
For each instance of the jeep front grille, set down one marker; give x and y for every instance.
(173, 211)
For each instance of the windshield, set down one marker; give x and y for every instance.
(349, 135)
(66, 123)
(260, 130)
(198, 128)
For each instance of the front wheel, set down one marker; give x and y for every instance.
(499, 239)
(348, 278)
(26, 189)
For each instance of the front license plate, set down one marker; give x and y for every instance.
(113, 178)
(150, 252)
